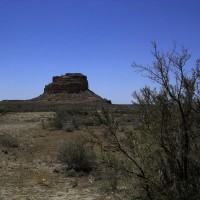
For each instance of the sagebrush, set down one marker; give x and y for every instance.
(76, 155)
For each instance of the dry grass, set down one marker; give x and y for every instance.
(29, 170)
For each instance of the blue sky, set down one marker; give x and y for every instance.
(99, 38)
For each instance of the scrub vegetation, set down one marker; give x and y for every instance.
(145, 151)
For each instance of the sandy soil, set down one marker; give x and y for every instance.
(30, 172)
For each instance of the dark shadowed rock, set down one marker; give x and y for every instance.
(70, 83)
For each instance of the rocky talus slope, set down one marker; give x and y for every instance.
(69, 88)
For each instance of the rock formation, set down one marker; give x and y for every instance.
(69, 88)
(70, 83)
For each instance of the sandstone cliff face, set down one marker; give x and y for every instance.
(70, 83)
(69, 88)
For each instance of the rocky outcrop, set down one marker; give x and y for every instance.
(69, 88)
(70, 83)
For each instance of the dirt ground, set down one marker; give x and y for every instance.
(31, 172)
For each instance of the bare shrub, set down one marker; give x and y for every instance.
(69, 116)
(75, 155)
(9, 141)
(161, 156)
(57, 123)
(68, 128)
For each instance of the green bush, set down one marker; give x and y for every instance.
(9, 141)
(75, 155)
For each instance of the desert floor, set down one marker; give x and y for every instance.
(31, 171)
